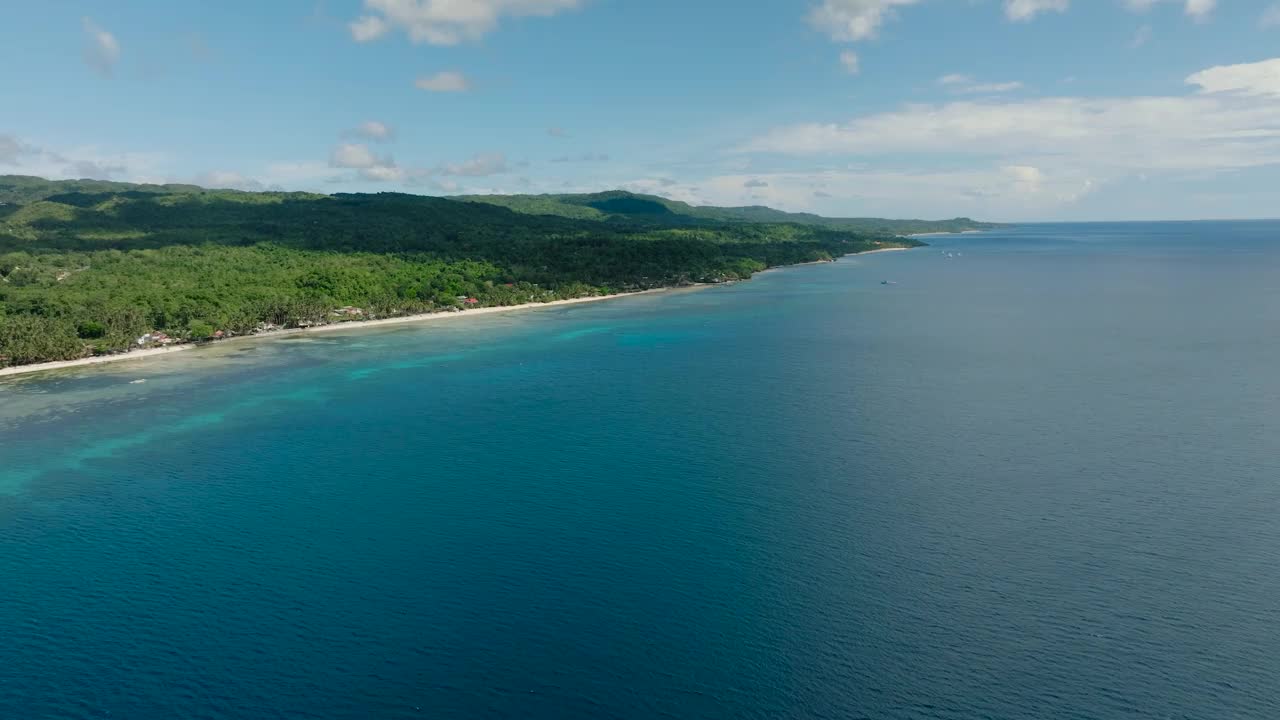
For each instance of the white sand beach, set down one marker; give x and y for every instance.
(332, 327)
(147, 353)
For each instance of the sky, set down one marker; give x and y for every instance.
(1012, 110)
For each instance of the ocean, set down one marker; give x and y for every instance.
(1029, 473)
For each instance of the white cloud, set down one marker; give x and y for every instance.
(959, 83)
(446, 22)
(1255, 79)
(383, 173)
(1270, 17)
(368, 27)
(1197, 9)
(227, 179)
(1026, 178)
(355, 155)
(478, 166)
(85, 161)
(999, 191)
(95, 170)
(1228, 125)
(372, 130)
(1025, 10)
(1050, 150)
(1200, 9)
(102, 50)
(849, 60)
(853, 20)
(446, 81)
(11, 150)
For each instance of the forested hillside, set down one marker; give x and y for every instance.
(632, 207)
(90, 266)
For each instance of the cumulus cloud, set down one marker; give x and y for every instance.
(1026, 178)
(1200, 9)
(1197, 9)
(1233, 122)
(478, 166)
(369, 166)
(355, 155)
(446, 22)
(87, 161)
(102, 50)
(368, 27)
(372, 130)
(1016, 157)
(854, 20)
(445, 81)
(1254, 79)
(1025, 10)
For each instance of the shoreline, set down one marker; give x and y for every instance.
(331, 327)
(824, 262)
(150, 353)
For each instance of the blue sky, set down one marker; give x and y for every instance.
(999, 109)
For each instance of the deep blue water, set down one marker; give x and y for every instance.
(1040, 479)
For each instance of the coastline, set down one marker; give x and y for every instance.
(824, 262)
(150, 353)
(331, 327)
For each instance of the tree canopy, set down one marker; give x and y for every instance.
(92, 266)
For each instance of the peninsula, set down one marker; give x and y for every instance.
(91, 270)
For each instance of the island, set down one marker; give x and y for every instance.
(95, 268)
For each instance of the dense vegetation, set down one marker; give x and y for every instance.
(91, 266)
(631, 207)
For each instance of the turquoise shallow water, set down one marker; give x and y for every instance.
(1038, 478)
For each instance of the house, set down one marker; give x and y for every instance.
(218, 335)
(471, 301)
(155, 338)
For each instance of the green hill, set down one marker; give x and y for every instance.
(625, 206)
(90, 266)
